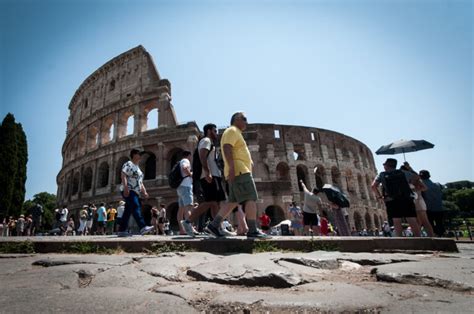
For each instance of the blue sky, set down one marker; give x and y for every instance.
(378, 71)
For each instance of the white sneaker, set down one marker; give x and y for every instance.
(227, 233)
(146, 230)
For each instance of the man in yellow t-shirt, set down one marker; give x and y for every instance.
(238, 173)
(111, 212)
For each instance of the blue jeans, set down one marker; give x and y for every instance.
(133, 206)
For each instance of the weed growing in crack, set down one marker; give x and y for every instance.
(89, 248)
(26, 247)
(158, 248)
(264, 246)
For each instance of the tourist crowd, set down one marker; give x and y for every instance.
(215, 186)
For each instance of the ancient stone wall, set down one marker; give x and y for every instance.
(110, 114)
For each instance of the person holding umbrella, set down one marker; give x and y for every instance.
(397, 196)
(311, 209)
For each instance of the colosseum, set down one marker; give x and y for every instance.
(126, 104)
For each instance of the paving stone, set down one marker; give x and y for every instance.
(449, 273)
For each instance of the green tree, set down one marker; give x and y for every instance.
(19, 181)
(48, 201)
(8, 163)
(464, 199)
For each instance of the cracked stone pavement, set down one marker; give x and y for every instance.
(188, 282)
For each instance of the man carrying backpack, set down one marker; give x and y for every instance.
(207, 177)
(397, 195)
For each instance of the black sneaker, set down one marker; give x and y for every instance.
(214, 231)
(258, 235)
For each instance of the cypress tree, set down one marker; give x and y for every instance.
(19, 190)
(13, 159)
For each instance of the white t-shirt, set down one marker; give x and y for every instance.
(187, 180)
(64, 213)
(211, 157)
(120, 211)
(162, 213)
(134, 176)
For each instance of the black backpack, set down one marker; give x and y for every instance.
(197, 165)
(175, 178)
(396, 185)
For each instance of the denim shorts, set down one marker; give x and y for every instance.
(185, 195)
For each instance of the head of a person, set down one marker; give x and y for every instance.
(316, 191)
(390, 164)
(162, 206)
(64, 206)
(135, 155)
(102, 204)
(121, 203)
(239, 120)
(425, 174)
(186, 154)
(210, 130)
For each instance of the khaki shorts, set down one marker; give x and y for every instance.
(242, 189)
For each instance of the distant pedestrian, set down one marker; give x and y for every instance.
(101, 219)
(20, 226)
(111, 213)
(83, 216)
(162, 219)
(386, 229)
(37, 214)
(154, 219)
(91, 213)
(339, 220)
(28, 225)
(120, 210)
(64, 212)
(434, 203)
(397, 195)
(312, 207)
(265, 222)
(71, 227)
(185, 193)
(132, 187)
(324, 224)
(296, 216)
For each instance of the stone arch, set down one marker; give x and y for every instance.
(124, 117)
(362, 192)
(75, 183)
(283, 172)
(276, 214)
(172, 214)
(368, 222)
(81, 143)
(369, 189)
(130, 125)
(108, 129)
(336, 177)
(174, 156)
(350, 181)
(151, 114)
(302, 174)
(93, 137)
(358, 223)
(118, 169)
(376, 222)
(103, 177)
(87, 180)
(148, 166)
(320, 176)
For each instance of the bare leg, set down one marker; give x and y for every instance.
(201, 209)
(397, 223)
(243, 228)
(316, 230)
(422, 217)
(306, 230)
(415, 227)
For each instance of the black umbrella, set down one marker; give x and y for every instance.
(404, 146)
(336, 196)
